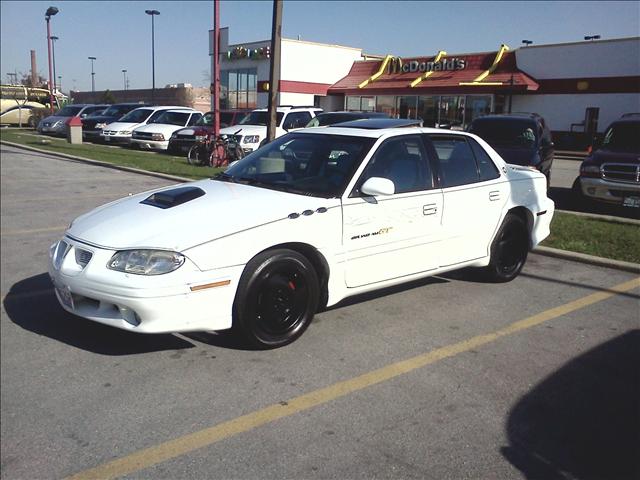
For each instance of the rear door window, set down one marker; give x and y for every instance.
(486, 167)
(457, 162)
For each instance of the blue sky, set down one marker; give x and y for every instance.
(118, 33)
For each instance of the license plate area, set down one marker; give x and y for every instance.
(633, 202)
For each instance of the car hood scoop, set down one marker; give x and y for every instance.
(173, 198)
(179, 217)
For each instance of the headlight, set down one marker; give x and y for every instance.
(145, 262)
(100, 125)
(174, 136)
(200, 138)
(251, 139)
(158, 137)
(590, 170)
(125, 132)
(57, 124)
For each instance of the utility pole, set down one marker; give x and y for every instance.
(93, 75)
(51, 11)
(216, 67)
(274, 75)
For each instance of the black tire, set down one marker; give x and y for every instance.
(508, 251)
(196, 155)
(277, 298)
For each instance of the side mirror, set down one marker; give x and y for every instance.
(83, 115)
(378, 186)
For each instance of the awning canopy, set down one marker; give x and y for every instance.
(490, 72)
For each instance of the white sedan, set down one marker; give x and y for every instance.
(309, 219)
(156, 133)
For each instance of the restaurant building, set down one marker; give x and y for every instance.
(578, 87)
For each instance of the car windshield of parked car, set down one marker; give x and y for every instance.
(317, 165)
(259, 118)
(68, 111)
(115, 111)
(206, 120)
(623, 137)
(506, 132)
(172, 118)
(138, 115)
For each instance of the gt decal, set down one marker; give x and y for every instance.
(379, 232)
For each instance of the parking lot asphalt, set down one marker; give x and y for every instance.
(443, 378)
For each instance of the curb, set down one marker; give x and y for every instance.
(66, 156)
(588, 259)
(607, 218)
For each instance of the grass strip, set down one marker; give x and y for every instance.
(124, 156)
(597, 237)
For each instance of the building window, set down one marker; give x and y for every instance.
(352, 104)
(238, 89)
(476, 106)
(428, 110)
(368, 104)
(407, 107)
(386, 104)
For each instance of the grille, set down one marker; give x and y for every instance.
(186, 137)
(142, 135)
(623, 193)
(83, 257)
(621, 172)
(109, 132)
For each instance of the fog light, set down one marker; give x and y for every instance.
(129, 316)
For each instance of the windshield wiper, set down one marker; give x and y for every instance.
(224, 177)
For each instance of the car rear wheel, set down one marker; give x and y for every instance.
(277, 298)
(508, 251)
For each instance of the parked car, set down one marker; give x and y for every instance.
(611, 172)
(156, 133)
(330, 118)
(253, 127)
(521, 139)
(305, 221)
(120, 131)
(56, 124)
(16, 113)
(92, 125)
(182, 140)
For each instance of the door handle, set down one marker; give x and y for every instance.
(494, 196)
(429, 209)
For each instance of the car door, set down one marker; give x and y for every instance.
(391, 236)
(474, 195)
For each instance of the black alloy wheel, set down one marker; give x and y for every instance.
(509, 250)
(276, 299)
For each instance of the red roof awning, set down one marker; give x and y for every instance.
(505, 77)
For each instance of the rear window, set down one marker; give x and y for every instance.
(623, 136)
(506, 132)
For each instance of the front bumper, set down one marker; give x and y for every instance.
(115, 137)
(150, 144)
(59, 130)
(144, 304)
(91, 134)
(608, 191)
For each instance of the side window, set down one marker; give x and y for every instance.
(403, 160)
(194, 118)
(296, 120)
(457, 163)
(486, 167)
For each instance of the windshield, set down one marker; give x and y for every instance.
(172, 118)
(137, 116)
(206, 120)
(330, 118)
(116, 110)
(506, 132)
(317, 165)
(69, 111)
(624, 137)
(259, 118)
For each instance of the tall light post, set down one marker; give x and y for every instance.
(60, 83)
(124, 79)
(153, 13)
(591, 37)
(527, 42)
(93, 75)
(51, 11)
(53, 50)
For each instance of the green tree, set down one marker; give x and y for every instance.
(25, 79)
(107, 97)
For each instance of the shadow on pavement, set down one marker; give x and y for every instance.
(582, 422)
(32, 305)
(568, 199)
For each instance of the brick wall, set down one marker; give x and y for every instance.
(198, 98)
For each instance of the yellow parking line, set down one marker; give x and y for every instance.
(179, 446)
(33, 230)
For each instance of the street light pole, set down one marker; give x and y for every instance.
(124, 79)
(53, 50)
(51, 11)
(93, 79)
(153, 13)
(60, 83)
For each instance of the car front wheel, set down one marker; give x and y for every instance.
(277, 298)
(508, 251)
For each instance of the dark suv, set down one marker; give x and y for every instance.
(182, 140)
(611, 173)
(519, 138)
(93, 125)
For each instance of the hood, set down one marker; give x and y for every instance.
(612, 156)
(518, 156)
(99, 119)
(158, 128)
(124, 125)
(224, 208)
(245, 130)
(55, 118)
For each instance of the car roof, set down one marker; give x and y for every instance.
(514, 116)
(379, 123)
(377, 133)
(288, 108)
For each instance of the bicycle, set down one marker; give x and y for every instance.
(218, 153)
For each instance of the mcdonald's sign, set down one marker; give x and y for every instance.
(397, 65)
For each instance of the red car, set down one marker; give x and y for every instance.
(182, 140)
